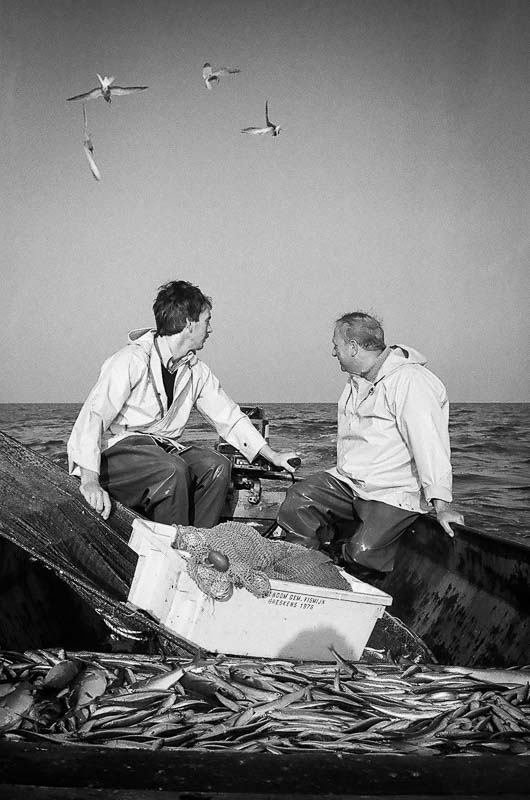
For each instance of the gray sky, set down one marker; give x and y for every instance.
(399, 185)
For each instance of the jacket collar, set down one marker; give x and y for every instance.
(371, 374)
(168, 360)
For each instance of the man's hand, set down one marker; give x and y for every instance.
(94, 494)
(445, 516)
(281, 458)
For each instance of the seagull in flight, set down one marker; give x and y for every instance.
(106, 90)
(269, 128)
(211, 76)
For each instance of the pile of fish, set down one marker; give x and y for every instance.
(275, 706)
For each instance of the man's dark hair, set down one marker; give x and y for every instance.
(175, 304)
(365, 329)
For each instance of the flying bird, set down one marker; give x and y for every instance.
(270, 127)
(106, 90)
(211, 76)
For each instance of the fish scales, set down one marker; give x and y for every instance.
(111, 711)
(124, 720)
(110, 734)
(245, 678)
(133, 698)
(513, 711)
(167, 717)
(207, 717)
(507, 721)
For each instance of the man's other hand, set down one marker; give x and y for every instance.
(445, 518)
(96, 497)
(281, 458)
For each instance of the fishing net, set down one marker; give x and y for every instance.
(252, 561)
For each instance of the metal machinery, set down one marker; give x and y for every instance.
(255, 492)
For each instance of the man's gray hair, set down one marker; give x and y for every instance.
(365, 329)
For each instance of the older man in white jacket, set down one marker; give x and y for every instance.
(142, 401)
(393, 455)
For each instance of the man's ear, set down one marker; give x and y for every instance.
(354, 347)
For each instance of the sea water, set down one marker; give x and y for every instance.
(490, 444)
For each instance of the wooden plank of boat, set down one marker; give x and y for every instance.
(314, 774)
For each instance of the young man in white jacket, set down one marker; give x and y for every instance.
(393, 455)
(142, 401)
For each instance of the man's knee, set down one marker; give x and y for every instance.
(213, 467)
(376, 541)
(171, 476)
(220, 467)
(293, 501)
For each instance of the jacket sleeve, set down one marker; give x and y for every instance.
(421, 408)
(103, 404)
(227, 418)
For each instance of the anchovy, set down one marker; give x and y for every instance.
(506, 677)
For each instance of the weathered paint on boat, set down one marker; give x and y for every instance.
(467, 597)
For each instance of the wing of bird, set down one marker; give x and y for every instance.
(267, 120)
(119, 90)
(258, 131)
(227, 71)
(92, 164)
(91, 95)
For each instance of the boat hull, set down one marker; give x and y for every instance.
(467, 597)
(133, 773)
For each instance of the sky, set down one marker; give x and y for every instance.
(399, 185)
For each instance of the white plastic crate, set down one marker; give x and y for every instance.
(295, 621)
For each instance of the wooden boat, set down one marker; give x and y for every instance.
(64, 575)
(465, 597)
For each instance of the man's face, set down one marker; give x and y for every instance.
(200, 329)
(344, 351)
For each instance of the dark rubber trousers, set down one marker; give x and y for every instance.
(323, 513)
(187, 488)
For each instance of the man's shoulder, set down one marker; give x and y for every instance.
(410, 375)
(201, 367)
(129, 354)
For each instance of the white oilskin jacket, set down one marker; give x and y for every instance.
(393, 434)
(129, 398)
